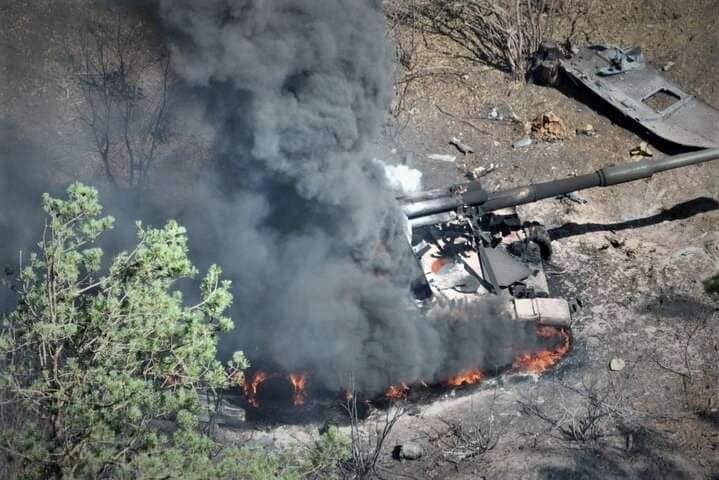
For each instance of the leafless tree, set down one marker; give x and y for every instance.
(588, 413)
(499, 33)
(368, 441)
(399, 14)
(124, 76)
(699, 347)
(470, 439)
(576, 14)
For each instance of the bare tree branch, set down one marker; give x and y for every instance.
(125, 84)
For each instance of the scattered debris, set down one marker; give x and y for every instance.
(668, 66)
(442, 158)
(501, 114)
(522, 142)
(616, 364)
(642, 150)
(408, 451)
(588, 130)
(462, 147)
(480, 172)
(549, 128)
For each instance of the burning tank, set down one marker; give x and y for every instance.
(471, 245)
(470, 242)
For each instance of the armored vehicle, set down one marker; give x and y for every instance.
(470, 242)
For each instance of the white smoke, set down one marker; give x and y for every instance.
(401, 178)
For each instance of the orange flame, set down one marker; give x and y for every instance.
(540, 361)
(250, 386)
(465, 377)
(298, 381)
(396, 392)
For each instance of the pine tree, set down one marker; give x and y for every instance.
(101, 366)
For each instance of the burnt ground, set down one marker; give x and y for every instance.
(633, 255)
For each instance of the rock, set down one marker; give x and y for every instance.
(408, 451)
(461, 146)
(522, 142)
(616, 364)
(501, 113)
(549, 127)
(588, 131)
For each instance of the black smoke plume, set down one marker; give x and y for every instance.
(292, 207)
(306, 225)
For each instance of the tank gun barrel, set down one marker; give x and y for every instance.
(434, 202)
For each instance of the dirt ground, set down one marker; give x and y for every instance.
(633, 256)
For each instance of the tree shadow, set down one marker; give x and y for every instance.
(647, 456)
(676, 306)
(680, 211)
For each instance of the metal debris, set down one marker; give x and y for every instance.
(545, 311)
(622, 79)
(522, 142)
(442, 158)
(480, 172)
(620, 60)
(501, 113)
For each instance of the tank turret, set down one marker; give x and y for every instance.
(469, 241)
